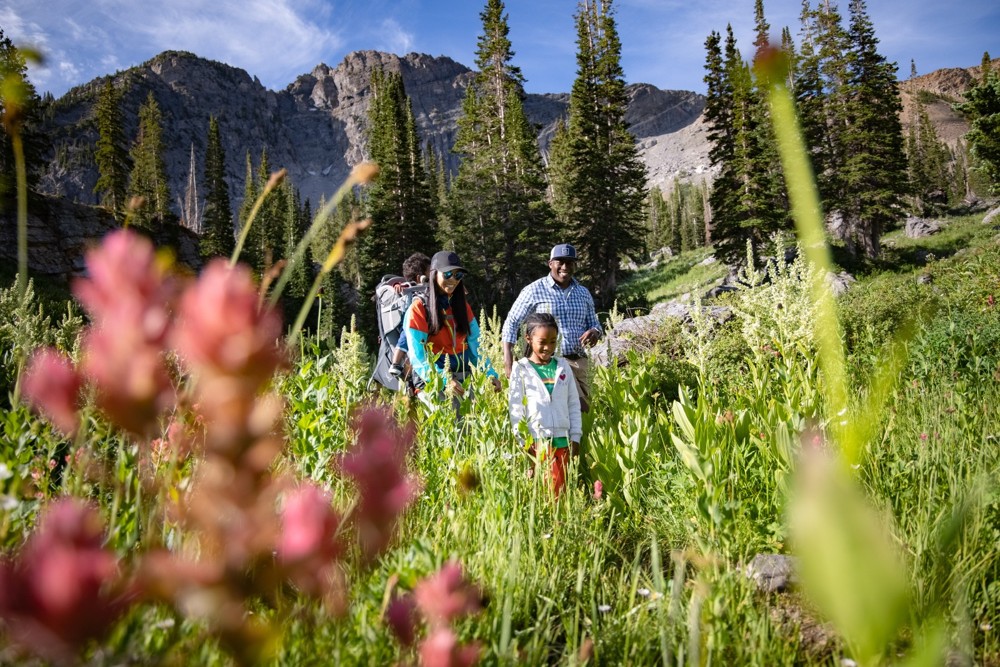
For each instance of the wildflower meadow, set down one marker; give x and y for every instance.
(190, 478)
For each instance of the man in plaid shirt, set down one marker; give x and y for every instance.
(570, 302)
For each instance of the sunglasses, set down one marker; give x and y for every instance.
(457, 274)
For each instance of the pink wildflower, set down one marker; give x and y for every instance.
(133, 386)
(377, 463)
(223, 332)
(128, 294)
(401, 616)
(56, 597)
(442, 649)
(446, 595)
(126, 283)
(923, 436)
(52, 385)
(308, 528)
(598, 489)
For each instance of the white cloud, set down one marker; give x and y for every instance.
(393, 38)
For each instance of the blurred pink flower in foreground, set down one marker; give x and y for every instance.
(127, 284)
(52, 385)
(133, 386)
(598, 489)
(442, 649)
(377, 463)
(59, 593)
(446, 595)
(308, 545)
(401, 615)
(129, 294)
(221, 330)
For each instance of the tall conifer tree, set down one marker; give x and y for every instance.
(399, 201)
(111, 152)
(500, 220)
(217, 238)
(599, 185)
(982, 108)
(149, 172)
(874, 166)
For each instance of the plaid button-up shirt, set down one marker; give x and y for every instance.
(572, 307)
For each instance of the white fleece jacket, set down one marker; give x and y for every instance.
(555, 416)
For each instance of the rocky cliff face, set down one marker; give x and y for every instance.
(939, 90)
(315, 127)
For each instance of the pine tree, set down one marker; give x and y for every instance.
(265, 242)
(599, 183)
(111, 152)
(927, 160)
(874, 167)
(217, 239)
(982, 109)
(20, 111)
(399, 203)
(658, 221)
(149, 172)
(748, 202)
(250, 193)
(500, 219)
(830, 106)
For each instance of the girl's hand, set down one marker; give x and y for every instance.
(456, 387)
(574, 449)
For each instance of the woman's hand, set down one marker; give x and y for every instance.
(456, 387)
(496, 384)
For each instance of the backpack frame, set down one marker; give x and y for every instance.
(390, 310)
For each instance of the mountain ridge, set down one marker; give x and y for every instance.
(315, 126)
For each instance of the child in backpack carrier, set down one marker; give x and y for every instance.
(415, 270)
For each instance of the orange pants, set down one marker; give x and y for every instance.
(558, 467)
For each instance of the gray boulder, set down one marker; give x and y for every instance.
(772, 572)
(840, 282)
(992, 216)
(645, 331)
(917, 228)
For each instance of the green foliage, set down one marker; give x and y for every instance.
(149, 172)
(982, 108)
(217, 239)
(24, 327)
(111, 152)
(598, 182)
(499, 219)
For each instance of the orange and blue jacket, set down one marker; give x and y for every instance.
(448, 348)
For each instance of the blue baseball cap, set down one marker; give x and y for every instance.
(563, 251)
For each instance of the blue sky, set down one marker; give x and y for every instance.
(276, 40)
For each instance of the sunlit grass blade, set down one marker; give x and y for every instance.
(348, 236)
(362, 174)
(272, 183)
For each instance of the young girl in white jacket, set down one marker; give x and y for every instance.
(543, 395)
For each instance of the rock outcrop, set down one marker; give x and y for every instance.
(60, 232)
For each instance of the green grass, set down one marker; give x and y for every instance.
(652, 573)
(683, 274)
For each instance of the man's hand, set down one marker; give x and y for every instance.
(508, 358)
(589, 337)
(496, 384)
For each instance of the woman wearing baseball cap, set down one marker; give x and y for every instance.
(443, 327)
